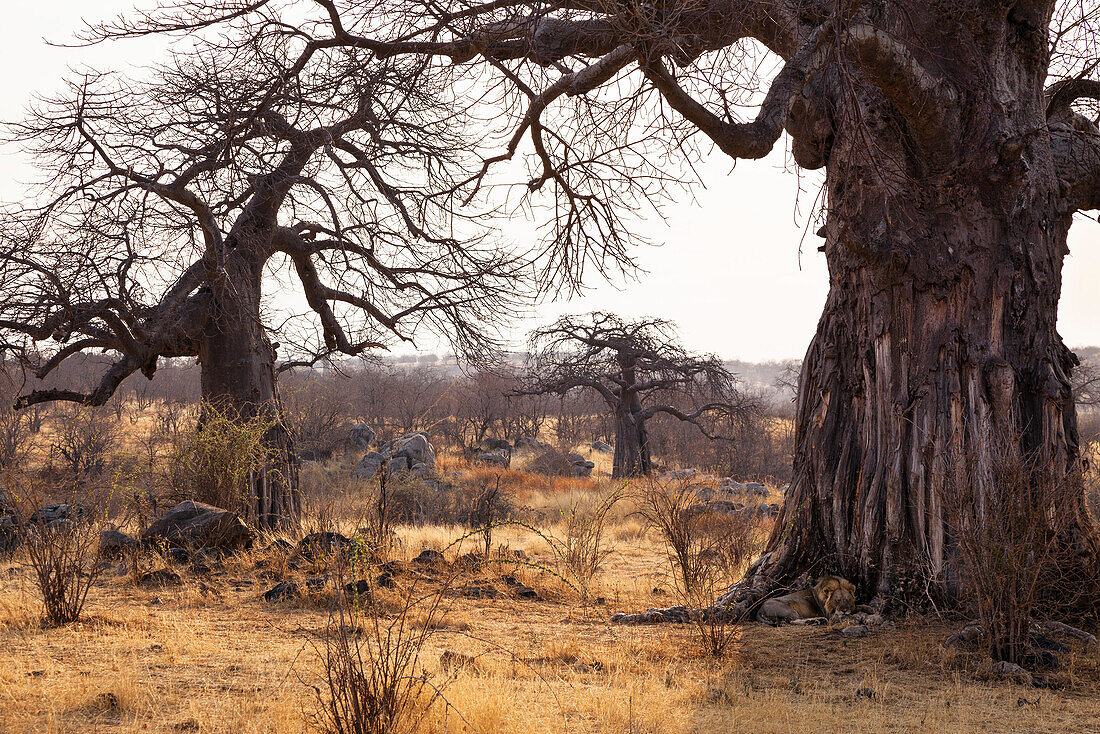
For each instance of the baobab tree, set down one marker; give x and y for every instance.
(631, 365)
(181, 210)
(956, 149)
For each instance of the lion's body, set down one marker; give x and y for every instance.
(828, 595)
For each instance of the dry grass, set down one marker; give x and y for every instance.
(212, 656)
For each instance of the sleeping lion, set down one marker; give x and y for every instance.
(830, 594)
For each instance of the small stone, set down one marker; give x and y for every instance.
(279, 592)
(1011, 671)
(429, 557)
(158, 578)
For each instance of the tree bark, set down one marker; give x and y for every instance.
(631, 446)
(945, 242)
(238, 375)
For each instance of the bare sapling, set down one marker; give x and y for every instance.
(707, 549)
(59, 531)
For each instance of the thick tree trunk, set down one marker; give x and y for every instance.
(238, 375)
(939, 333)
(631, 447)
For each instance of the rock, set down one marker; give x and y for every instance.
(1011, 671)
(766, 510)
(177, 555)
(415, 447)
(491, 445)
(602, 447)
(357, 589)
(493, 459)
(755, 489)
(281, 591)
(360, 436)
(717, 507)
(966, 636)
(318, 545)
(855, 631)
(114, 544)
(197, 525)
(429, 557)
(525, 592)
(528, 443)
(580, 466)
(369, 466)
(53, 513)
(679, 475)
(159, 578)
(422, 471)
(397, 465)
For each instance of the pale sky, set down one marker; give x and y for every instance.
(728, 272)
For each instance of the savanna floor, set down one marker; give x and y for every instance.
(211, 655)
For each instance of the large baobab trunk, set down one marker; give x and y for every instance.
(945, 240)
(238, 375)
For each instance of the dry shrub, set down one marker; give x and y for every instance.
(551, 462)
(1014, 538)
(216, 463)
(63, 555)
(706, 550)
(373, 662)
(582, 543)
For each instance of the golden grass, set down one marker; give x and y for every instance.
(212, 656)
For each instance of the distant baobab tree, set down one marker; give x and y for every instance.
(637, 367)
(250, 163)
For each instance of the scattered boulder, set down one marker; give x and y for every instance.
(281, 591)
(602, 446)
(679, 475)
(159, 578)
(318, 545)
(415, 447)
(1012, 671)
(717, 507)
(766, 510)
(114, 544)
(359, 589)
(529, 443)
(398, 465)
(580, 466)
(360, 436)
(53, 513)
(422, 471)
(196, 525)
(495, 444)
(369, 466)
(429, 557)
(494, 458)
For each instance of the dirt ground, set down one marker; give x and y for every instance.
(211, 655)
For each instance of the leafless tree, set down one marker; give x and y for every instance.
(630, 364)
(958, 139)
(259, 153)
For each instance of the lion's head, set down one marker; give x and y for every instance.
(834, 594)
